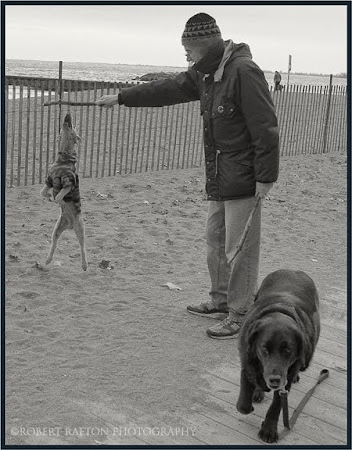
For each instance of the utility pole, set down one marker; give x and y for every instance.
(289, 69)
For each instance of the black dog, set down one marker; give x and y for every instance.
(277, 340)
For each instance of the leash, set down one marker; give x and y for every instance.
(246, 228)
(288, 424)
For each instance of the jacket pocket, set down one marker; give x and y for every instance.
(235, 178)
(229, 127)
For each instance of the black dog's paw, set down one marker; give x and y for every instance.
(296, 379)
(244, 409)
(258, 395)
(268, 433)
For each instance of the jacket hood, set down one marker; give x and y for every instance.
(241, 49)
(232, 51)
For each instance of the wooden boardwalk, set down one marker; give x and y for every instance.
(323, 420)
(215, 420)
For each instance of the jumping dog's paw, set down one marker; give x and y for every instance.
(42, 267)
(45, 192)
(60, 197)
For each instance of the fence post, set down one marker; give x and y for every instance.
(60, 91)
(327, 115)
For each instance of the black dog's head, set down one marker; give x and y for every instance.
(278, 343)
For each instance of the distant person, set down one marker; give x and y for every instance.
(241, 144)
(277, 80)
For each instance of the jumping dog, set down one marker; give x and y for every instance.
(63, 180)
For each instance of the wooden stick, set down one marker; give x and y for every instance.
(246, 229)
(63, 102)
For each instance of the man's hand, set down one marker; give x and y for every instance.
(107, 101)
(262, 189)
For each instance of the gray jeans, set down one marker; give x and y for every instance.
(233, 284)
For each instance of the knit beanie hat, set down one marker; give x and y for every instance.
(201, 29)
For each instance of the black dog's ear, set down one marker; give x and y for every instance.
(304, 349)
(251, 336)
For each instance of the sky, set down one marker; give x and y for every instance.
(315, 35)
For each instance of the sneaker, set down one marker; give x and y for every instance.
(204, 309)
(227, 329)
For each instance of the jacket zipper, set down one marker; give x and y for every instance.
(216, 162)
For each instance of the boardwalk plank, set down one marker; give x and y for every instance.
(336, 379)
(333, 334)
(335, 348)
(307, 431)
(321, 409)
(215, 432)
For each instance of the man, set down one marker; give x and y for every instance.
(241, 144)
(277, 80)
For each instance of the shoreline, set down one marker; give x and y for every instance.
(180, 68)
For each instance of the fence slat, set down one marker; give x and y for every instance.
(13, 135)
(163, 164)
(93, 134)
(27, 134)
(48, 135)
(317, 128)
(41, 132)
(34, 146)
(149, 139)
(19, 155)
(7, 118)
(160, 136)
(117, 138)
(123, 112)
(111, 133)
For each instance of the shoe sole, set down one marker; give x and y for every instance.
(233, 336)
(216, 316)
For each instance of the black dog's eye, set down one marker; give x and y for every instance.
(287, 350)
(264, 350)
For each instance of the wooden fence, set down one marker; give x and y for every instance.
(312, 119)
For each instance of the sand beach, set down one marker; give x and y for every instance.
(91, 353)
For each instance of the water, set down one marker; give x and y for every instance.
(126, 72)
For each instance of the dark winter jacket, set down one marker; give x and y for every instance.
(241, 139)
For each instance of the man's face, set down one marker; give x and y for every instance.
(193, 54)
